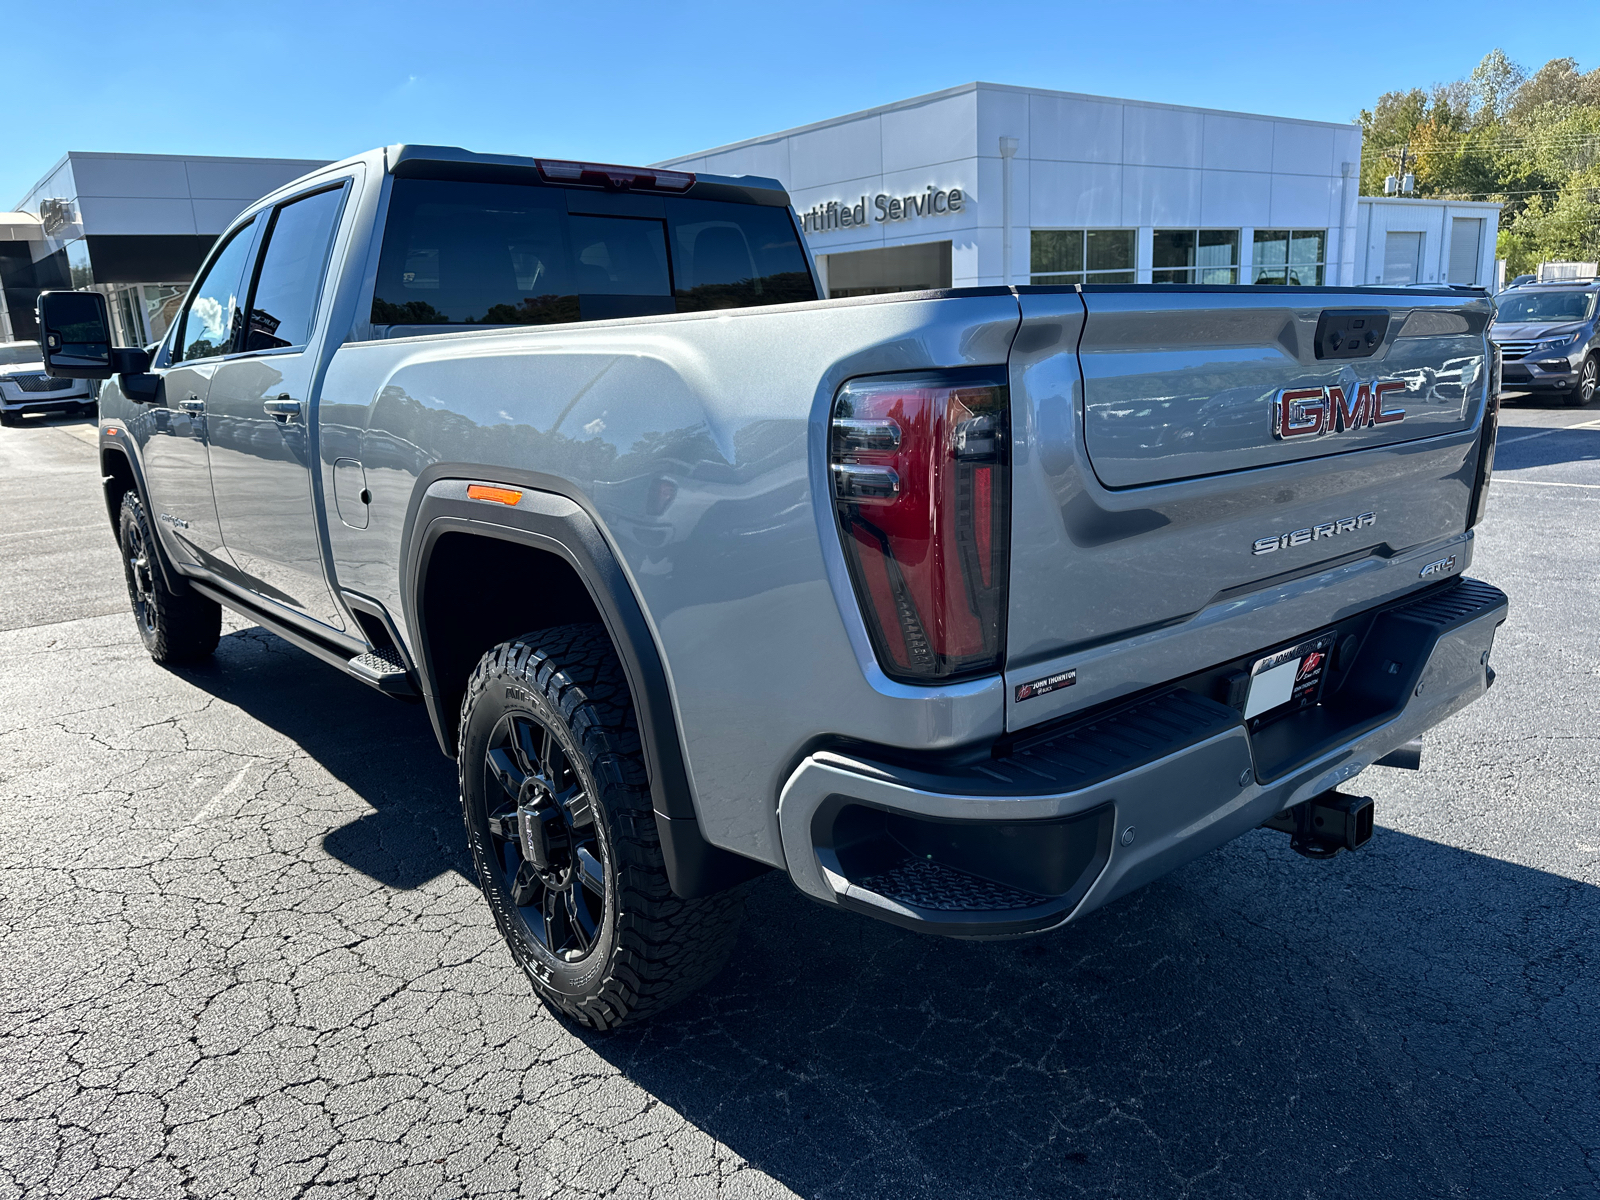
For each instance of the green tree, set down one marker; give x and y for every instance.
(1531, 142)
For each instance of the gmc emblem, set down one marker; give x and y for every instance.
(1311, 412)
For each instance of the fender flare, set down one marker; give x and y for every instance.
(549, 518)
(172, 579)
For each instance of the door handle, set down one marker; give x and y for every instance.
(282, 408)
(192, 405)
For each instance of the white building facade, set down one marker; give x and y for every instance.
(1404, 239)
(134, 226)
(990, 184)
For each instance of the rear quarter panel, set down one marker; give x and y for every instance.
(694, 441)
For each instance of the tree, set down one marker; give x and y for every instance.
(1531, 142)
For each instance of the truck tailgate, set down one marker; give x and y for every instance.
(1162, 523)
(1178, 385)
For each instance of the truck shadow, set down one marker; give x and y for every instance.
(1521, 448)
(381, 749)
(1414, 1020)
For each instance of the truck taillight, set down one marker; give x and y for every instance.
(921, 487)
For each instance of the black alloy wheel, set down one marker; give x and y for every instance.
(556, 801)
(174, 627)
(551, 852)
(141, 581)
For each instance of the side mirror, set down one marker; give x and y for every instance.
(75, 335)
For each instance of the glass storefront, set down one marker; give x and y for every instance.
(1064, 256)
(921, 267)
(1195, 256)
(1292, 256)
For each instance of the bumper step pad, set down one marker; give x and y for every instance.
(932, 887)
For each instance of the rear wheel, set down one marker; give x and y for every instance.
(558, 817)
(174, 628)
(1588, 382)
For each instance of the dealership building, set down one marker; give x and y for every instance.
(989, 184)
(134, 226)
(978, 184)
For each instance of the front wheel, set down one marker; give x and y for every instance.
(174, 628)
(558, 817)
(1588, 382)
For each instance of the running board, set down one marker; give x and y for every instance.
(375, 668)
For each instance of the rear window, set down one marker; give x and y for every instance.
(458, 253)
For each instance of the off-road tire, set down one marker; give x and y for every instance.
(174, 628)
(648, 948)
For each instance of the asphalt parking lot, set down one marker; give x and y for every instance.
(240, 954)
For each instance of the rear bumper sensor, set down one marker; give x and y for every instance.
(1046, 828)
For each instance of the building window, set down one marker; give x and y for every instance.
(919, 267)
(1296, 257)
(1083, 256)
(1195, 256)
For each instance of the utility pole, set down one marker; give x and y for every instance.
(1406, 182)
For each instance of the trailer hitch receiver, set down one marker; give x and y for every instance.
(1326, 824)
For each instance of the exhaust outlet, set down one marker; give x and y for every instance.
(1326, 824)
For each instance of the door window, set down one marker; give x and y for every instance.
(211, 318)
(284, 304)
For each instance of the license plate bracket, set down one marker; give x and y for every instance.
(1287, 680)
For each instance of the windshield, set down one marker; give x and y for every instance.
(1512, 309)
(15, 353)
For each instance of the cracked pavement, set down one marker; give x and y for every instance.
(240, 953)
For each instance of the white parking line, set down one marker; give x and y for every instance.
(1528, 437)
(1593, 487)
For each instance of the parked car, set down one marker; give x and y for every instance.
(969, 610)
(26, 388)
(1549, 339)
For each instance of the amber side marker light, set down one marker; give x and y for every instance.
(112, 431)
(500, 495)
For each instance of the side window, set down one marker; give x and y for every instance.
(211, 317)
(284, 303)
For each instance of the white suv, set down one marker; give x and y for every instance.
(25, 388)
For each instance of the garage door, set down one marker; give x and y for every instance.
(1402, 253)
(1465, 233)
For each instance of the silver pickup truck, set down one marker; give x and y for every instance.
(970, 610)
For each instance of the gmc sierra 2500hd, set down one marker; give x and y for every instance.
(970, 610)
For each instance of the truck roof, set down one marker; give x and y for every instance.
(452, 162)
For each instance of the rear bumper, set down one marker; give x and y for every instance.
(1083, 813)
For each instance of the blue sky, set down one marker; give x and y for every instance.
(634, 83)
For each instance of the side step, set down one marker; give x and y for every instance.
(383, 669)
(380, 668)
